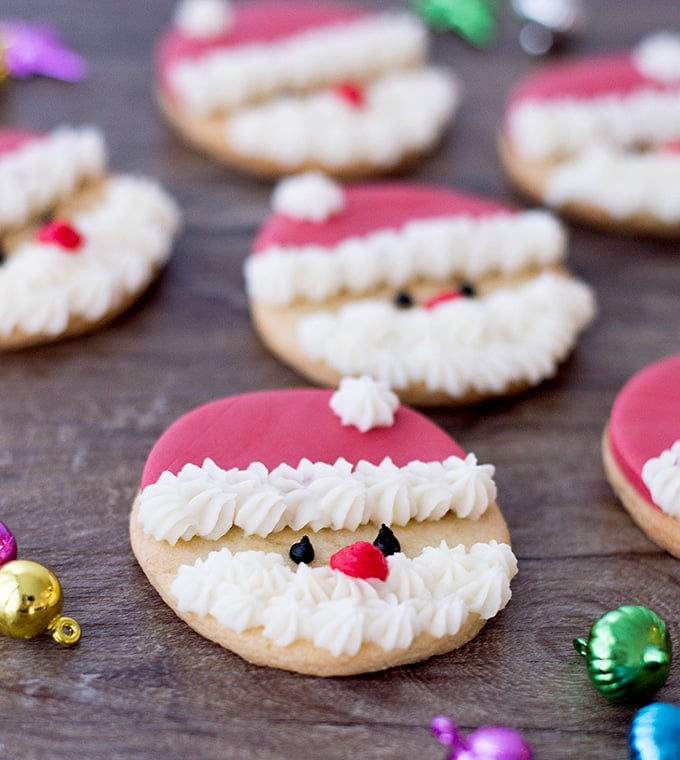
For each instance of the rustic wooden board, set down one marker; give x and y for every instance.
(78, 418)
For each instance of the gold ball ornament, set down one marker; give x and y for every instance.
(30, 603)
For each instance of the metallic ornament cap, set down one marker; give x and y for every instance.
(654, 658)
(65, 630)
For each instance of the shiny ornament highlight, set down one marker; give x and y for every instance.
(628, 652)
(655, 733)
(548, 24)
(486, 743)
(8, 544)
(31, 600)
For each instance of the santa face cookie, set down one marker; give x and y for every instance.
(641, 450)
(78, 245)
(327, 534)
(446, 297)
(598, 138)
(278, 87)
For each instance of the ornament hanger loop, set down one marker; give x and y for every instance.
(65, 630)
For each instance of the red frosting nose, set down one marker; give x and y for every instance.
(360, 560)
(352, 93)
(62, 234)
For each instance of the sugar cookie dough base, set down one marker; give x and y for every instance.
(83, 199)
(208, 136)
(531, 179)
(661, 528)
(18, 339)
(160, 562)
(277, 327)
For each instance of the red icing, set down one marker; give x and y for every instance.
(449, 295)
(61, 233)
(263, 22)
(275, 427)
(360, 560)
(645, 419)
(10, 140)
(586, 78)
(373, 207)
(671, 147)
(352, 93)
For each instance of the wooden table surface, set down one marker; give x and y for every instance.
(78, 418)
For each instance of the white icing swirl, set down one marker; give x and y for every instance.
(432, 593)
(439, 248)
(402, 113)
(661, 475)
(621, 184)
(228, 78)
(657, 56)
(37, 175)
(510, 336)
(541, 130)
(208, 501)
(203, 19)
(127, 235)
(365, 403)
(310, 197)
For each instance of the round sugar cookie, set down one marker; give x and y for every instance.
(324, 533)
(641, 451)
(597, 138)
(78, 245)
(446, 297)
(275, 87)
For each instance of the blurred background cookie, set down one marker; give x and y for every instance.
(279, 87)
(598, 138)
(78, 245)
(641, 450)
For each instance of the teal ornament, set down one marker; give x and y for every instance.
(655, 733)
(628, 652)
(473, 19)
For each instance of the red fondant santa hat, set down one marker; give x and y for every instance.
(287, 426)
(324, 238)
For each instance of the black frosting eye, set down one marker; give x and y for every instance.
(302, 551)
(403, 300)
(3, 255)
(386, 541)
(467, 290)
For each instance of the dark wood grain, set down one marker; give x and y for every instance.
(78, 418)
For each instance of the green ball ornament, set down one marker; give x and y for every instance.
(628, 652)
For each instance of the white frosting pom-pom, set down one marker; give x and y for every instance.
(658, 57)
(309, 197)
(364, 402)
(203, 19)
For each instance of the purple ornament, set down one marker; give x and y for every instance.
(8, 544)
(486, 743)
(30, 49)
